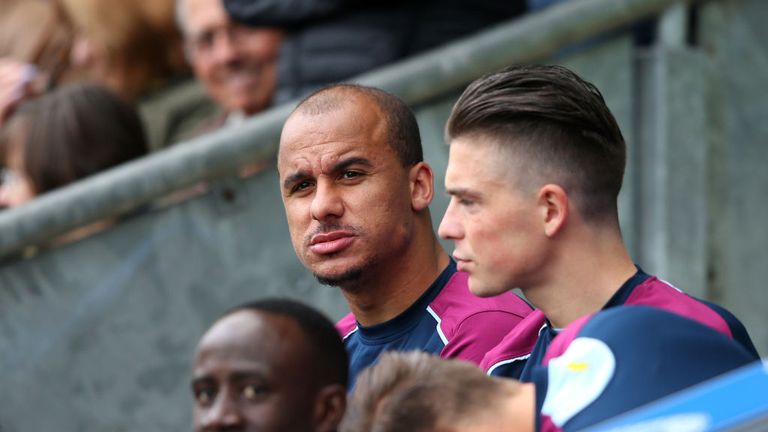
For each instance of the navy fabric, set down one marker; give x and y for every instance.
(414, 329)
(656, 354)
(548, 332)
(627, 294)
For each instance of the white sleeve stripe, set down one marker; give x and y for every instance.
(504, 362)
(350, 333)
(439, 330)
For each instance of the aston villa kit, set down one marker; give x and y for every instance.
(447, 320)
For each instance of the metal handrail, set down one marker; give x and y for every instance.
(416, 80)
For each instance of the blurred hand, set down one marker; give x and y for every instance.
(18, 81)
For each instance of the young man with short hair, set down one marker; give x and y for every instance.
(535, 168)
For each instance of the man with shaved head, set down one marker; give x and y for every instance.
(356, 192)
(270, 366)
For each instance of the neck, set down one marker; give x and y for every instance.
(392, 287)
(585, 272)
(512, 410)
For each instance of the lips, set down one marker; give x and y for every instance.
(332, 242)
(461, 264)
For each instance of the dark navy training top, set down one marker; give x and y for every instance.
(526, 345)
(447, 320)
(622, 358)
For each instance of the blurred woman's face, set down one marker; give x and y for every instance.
(15, 186)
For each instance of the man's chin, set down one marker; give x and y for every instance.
(340, 279)
(483, 290)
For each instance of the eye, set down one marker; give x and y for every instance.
(350, 175)
(463, 201)
(298, 187)
(253, 392)
(204, 396)
(203, 41)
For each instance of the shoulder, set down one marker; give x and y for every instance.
(456, 306)
(625, 357)
(663, 295)
(635, 330)
(517, 344)
(346, 325)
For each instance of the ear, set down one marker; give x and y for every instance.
(330, 404)
(422, 184)
(553, 203)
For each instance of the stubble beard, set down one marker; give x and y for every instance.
(351, 275)
(351, 280)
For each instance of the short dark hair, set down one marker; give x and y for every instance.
(329, 357)
(73, 132)
(558, 121)
(403, 130)
(419, 392)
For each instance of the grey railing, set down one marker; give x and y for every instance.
(436, 73)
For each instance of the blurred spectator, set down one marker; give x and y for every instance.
(235, 63)
(120, 46)
(65, 135)
(34, 51)
(133, 48)
(330, 41)
(31, 32)
(270, 366)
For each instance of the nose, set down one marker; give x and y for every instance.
(450, 228)
(224, 414)
(326, 202)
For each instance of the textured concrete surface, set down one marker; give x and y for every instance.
(737, 43)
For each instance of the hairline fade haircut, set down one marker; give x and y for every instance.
(557, 123)
(403, 134)
(329, 356)
(419, 392)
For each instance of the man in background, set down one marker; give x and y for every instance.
(236, 64)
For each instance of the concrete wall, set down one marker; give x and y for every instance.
(735, 38)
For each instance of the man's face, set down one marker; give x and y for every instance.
(347, 197)
(237, 64)
(493, 222)
(251, 373)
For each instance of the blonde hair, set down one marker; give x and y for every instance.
(139, 38)
(32, 31)
(419, 392)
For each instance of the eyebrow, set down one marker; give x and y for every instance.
(293, 178)
(462, 192)
(339, 166)
(235, 376)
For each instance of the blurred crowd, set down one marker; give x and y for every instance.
(188, 67)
